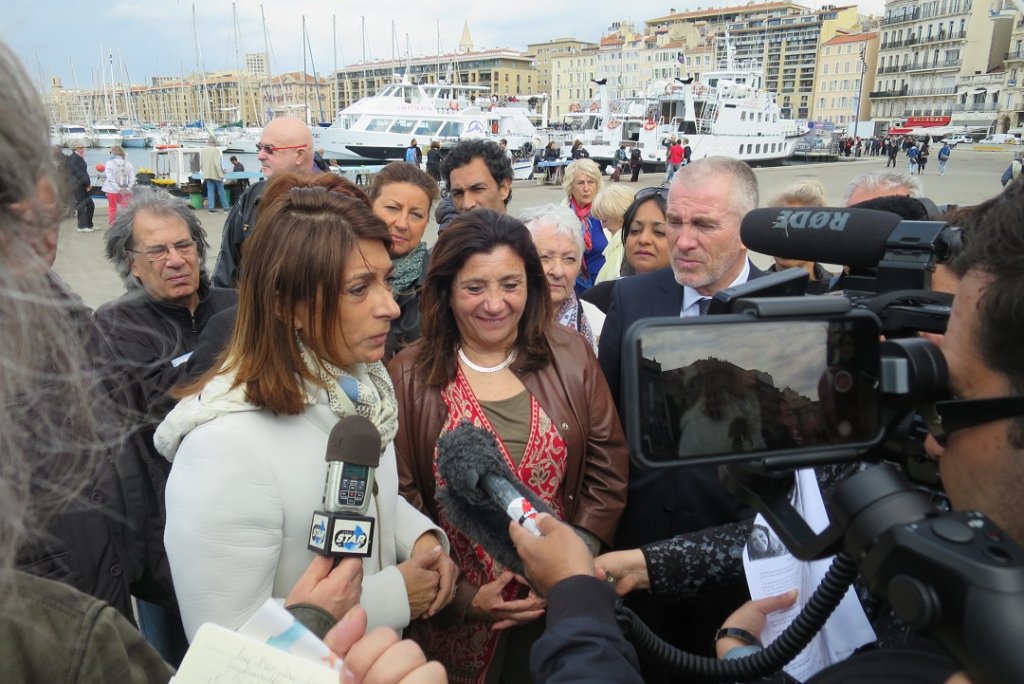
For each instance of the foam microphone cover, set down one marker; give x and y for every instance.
(465, 455)
(853, 237)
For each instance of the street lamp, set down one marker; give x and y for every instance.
(860, 92)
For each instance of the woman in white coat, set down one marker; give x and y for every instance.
(247, 442)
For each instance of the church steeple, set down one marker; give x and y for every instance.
(465, 43)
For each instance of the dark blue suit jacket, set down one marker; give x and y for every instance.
(662, 503)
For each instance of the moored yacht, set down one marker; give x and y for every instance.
(106, 135)
(379, 128)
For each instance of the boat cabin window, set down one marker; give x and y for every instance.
(378, 125)
(402, 126)
(191, 160)
(427, 127)
(712, 82)
(451, 129)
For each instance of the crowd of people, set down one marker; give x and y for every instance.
(182, 427)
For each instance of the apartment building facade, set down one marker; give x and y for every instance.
(940, 62)
(843, 78)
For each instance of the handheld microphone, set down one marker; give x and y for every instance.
(342, 528)
(517, 507)
(852, 237)
(481, 493)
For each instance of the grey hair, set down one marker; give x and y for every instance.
(883, 183)
(560, 217)
(48, 394)
(743, 185)
(120, 237)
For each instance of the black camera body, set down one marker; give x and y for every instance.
(789, 382)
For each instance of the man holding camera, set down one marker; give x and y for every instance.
(978, 438)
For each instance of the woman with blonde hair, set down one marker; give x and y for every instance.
(119, 179)
(609, 208)
(582, 182)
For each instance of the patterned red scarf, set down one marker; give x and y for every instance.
(466, 647)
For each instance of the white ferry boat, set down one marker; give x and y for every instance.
(729, 113)
(379, 128)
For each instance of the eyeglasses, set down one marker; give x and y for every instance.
(271, 149)
(651, 192)
(162, 252)
(943, 418)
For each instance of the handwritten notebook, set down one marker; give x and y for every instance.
(271, 648)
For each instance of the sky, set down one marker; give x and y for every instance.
(798, 364)
(157, 38)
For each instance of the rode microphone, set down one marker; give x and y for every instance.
(342, 528)
(852, 237)
(481, 493)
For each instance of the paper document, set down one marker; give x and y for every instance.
(271, 648)
(772, 570)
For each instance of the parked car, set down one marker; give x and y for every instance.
(953, 140)
(1000, 139)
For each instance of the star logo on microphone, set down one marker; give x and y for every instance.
(351, 540)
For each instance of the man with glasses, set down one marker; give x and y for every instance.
(158, 248)
(286, 146)
(978, 437)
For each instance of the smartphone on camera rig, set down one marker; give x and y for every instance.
(792, 382)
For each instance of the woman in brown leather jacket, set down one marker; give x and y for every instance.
(491, 354)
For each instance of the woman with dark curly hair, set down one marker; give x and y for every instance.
(491, 354)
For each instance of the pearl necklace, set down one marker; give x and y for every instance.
(484, 369)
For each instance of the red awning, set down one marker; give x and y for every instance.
(926, 121)
(900, 130)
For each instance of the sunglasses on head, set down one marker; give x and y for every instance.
(274, 148)
(943, 418)
(651, 192)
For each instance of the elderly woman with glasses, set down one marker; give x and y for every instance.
(248, 438)
(582, 182)
(491, 354)
(556, 236)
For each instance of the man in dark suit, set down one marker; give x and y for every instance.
(706, 202)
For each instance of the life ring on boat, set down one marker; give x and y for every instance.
(649, 125)
(574, 108)
(453, 105)
(669, 89)
(167, 147)
(613, 124)
(594, 106)
(699, 89)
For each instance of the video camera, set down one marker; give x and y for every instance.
(779, 383)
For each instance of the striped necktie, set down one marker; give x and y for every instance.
(703, 303)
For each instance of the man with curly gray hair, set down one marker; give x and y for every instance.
(158, 248)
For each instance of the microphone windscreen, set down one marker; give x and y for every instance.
(851, 237)
(464, 456)
(354, 439)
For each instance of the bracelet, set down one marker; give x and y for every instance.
(737, 633)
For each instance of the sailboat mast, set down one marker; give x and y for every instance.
(305, 83)
(238, 64)
(270, 81)
(337, 89)
(205, 95)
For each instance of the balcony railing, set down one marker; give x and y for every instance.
(976, 107)
(1013, 56)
